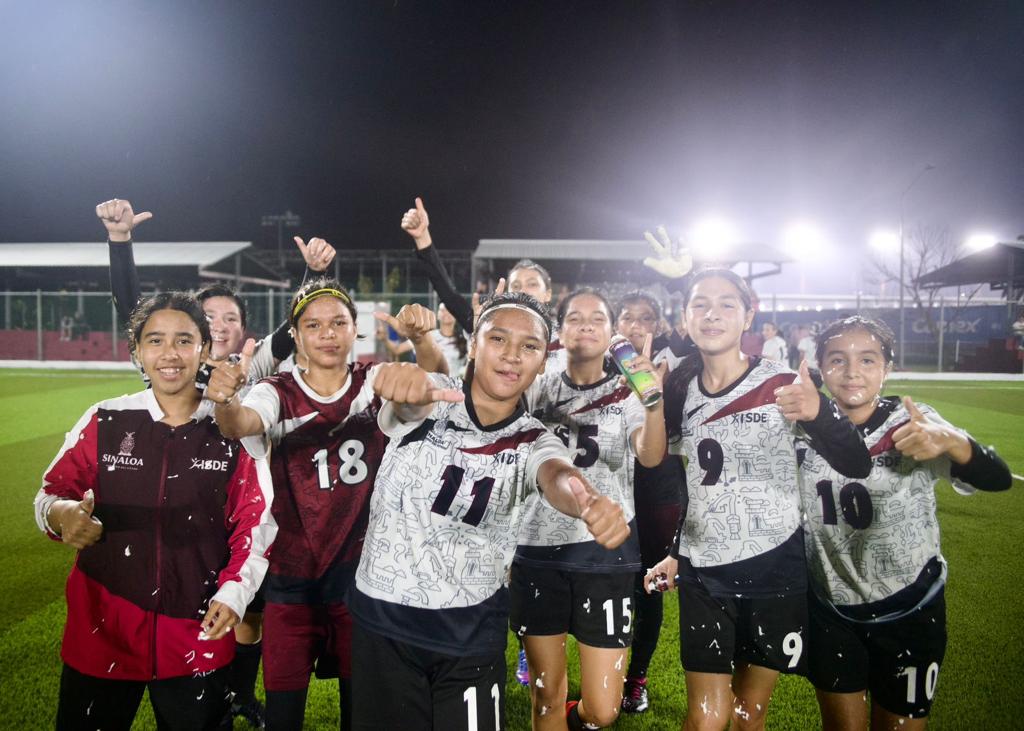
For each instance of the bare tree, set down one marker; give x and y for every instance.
(926, 249)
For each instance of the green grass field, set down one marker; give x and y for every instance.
(979, 687)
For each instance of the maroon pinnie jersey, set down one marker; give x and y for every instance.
(326, 451)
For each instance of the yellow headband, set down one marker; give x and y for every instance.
(326, 291)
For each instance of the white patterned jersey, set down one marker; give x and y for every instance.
(742, 534)
(596, 423)
(444, 516)
(869, 540)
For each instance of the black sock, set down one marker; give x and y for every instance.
(242, 672)
(286, 709)
(345, 703)
(573, 720)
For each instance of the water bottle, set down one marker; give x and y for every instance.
(643, 383)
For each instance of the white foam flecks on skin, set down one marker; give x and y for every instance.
(704, 705)
(738, 710)
(757, 706)
(128, 550)
(618, 663)
(539, 683)
(544, 710)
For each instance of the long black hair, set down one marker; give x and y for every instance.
(678, 381)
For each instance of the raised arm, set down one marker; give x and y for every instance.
(414, 322)
(416, 223)
(671, 260)
(923, 439)
(649, 441)
(119, 219)
(227, 379)
(832, 435)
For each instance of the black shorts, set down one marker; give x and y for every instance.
(717, 632)
(897, 661)
(396, 685)
(596, 609)
(258, 603)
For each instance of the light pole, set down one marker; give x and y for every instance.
(281, 220)
(903, 314)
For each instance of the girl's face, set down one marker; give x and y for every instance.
(586, 328)
(854, 369)
(509, 350)
(444, 317)
(226, 328)
(529, 281)
(170, 350)
(325, 332)
(636, 321)
(716, 316)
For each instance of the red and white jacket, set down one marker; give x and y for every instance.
(186, 520)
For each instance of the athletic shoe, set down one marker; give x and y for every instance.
(523, 671)
(253, 712)
(634, 695)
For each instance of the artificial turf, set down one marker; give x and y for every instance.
(979, 685)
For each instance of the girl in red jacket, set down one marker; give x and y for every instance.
(171, 523)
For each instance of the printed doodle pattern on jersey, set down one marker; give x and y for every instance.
(868, 539)
(741, 470)
(447, 507)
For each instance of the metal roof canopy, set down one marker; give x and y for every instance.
(199, 254)
(1001, 266)
(576, 252)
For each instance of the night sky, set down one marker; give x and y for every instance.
(513, 119)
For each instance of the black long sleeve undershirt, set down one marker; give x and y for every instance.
(456, 304)
(985, 470)
(124, 280)
(835, 438)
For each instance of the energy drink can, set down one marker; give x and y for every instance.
(643, 384)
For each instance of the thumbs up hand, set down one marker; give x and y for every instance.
(119, 219)
(231, 375)
(922, 439)
(416, 223)
(800, 400)
(77, 526)
(603, 516)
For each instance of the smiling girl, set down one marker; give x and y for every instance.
(740, 556)
(562, 581)
(431, 600)
(877, 609)
(171, 523)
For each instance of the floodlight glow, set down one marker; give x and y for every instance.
(712, 236)
(979, 242)
(802, 240)
(885, 241)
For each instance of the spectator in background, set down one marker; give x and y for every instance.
(807, 346)
(66, 324)
(79, 327)
(774, 347)
(1018, 331)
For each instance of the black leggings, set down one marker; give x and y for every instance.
(647, 618)
(186, 703)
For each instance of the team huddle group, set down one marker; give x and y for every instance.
(387, 524)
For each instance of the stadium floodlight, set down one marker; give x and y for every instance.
(712, 237)
(803, 240)
(885, 241)
(980, 242)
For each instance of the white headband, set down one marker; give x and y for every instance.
(521, 308)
